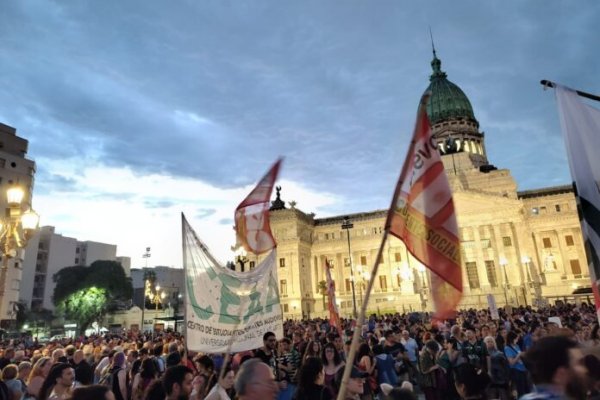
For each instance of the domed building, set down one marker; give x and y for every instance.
(523, 248)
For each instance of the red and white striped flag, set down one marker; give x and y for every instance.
(252, 215)
(334, 315)
(422, 216)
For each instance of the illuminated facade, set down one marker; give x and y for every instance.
(522, 247)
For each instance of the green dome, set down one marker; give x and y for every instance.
(447, 100)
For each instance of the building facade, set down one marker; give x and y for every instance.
(524, 248)
(15, 170)
(47, 253)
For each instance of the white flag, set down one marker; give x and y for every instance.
(227, 310)
(581, 131)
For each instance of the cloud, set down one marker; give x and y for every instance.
(185, 107)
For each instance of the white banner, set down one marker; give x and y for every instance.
(581, 130)
(227, 310)
(493, 307)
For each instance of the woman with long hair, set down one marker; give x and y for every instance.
(429, 366)
(366, 363)
(58, 383)
(470, 383)
(37, 376)
(518, 372)
(223, 389)
(143, 379)
(447, 360)
(310, 381)
(332, 362)
(312, 350)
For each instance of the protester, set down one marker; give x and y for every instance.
(428, 380)
(356, 383)
(177, 382)
(58, 384)
(9, 377)
(471, 383)
(498, 370)
(518, 372)
(255, 381)
(223, 389)
(311, 379)
(554, 363)
(37, 376)
(143, 379)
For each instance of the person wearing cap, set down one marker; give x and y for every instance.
(356, 383)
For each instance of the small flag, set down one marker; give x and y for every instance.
(581, 131)
(422, 216)
(334, 315)
(252, 215)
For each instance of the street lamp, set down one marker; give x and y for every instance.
(504, 264)
(526, 260)
(15, 231)
(421, 269)
(347, 225)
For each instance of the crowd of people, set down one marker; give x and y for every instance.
(523, 353)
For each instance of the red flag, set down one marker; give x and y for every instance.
(252, 215)
(334, 315)
(422, 216)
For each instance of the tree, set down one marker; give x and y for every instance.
(86, 294)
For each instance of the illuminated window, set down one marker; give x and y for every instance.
(472, 275)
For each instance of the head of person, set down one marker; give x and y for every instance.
(9, 353)
(61, 374)
(286, 345)
(40, 368)
(148, 369)
(356, 382)
(469, 382)
(119, 359)
(70, 350)
(93, 392)
(57, 354)
(555, 360)
(389, 336)
(25, 368)
(177, 382)
(205, 365)
(511, 338)
(451, 344)
(432, 346)
(470, 333)
(78, 356)
(255, 380)
(405, 335)
(269, 341)
(311, 372)
(9, 372)
(331, 354)
(401, 393)
(228, 379)
(490, 344)
(363, 350)
(173, 359)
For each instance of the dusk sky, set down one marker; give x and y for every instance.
(138, 110)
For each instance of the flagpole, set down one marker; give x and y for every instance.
(547, 83)
(363, 309)
(185, 277)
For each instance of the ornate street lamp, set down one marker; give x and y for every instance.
(15, 231)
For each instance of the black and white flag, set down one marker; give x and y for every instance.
(581, 130)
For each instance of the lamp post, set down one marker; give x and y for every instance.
(504, 264)
(526, 260)
(421, 269)
(347, 225)
(15, 231)
(158, 297)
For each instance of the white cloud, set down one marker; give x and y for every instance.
(135, 211)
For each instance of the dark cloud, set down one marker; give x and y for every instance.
(216, 91)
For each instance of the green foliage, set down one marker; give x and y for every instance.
(85, 286)
(84, 306)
